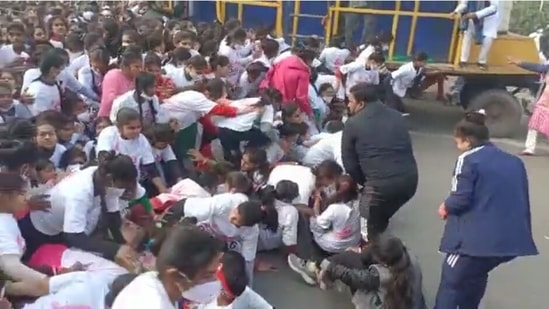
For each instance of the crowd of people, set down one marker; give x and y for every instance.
(145, 162)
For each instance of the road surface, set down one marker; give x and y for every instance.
(519, 284)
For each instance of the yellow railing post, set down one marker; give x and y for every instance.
(413, 27)
(239, 11)
(454, 50)
(328, 26)
(295, 20)
(335, 27)
(279, 27)
(394, 28)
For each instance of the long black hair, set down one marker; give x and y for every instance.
(286, 191)
(390, 251)
(142, 82)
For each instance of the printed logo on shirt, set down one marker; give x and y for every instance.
(233, 243)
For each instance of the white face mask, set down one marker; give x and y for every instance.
(114, 192)
(327, 99)
(84, 117)
(125, 44)
(385, 47)
(221, 189)
(203, 293)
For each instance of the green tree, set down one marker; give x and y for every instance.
(527, 16)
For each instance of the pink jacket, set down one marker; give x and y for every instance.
(115, 83)
(291, 77)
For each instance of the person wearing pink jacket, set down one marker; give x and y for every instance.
(291, 76)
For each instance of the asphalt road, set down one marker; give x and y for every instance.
(519, 284)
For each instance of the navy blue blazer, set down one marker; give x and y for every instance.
(489, 206)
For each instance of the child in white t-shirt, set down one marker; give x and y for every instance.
(126, 138)
(235, 293)
(360, 72)
(160, 137)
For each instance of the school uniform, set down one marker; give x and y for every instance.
(235, 130)
(47, 96)
(8, 55)
(145, 291)
(72, 212)
(337, 228)
(180, 78)
(286, 234)
(327, 148)
(149, 110)
(92, 81)
(301, 175)
(16, 110)
(78, 63)
(488, 223)
(237, 62)
(356, 72)
(212, 214)
(249, 299)
(333, 57)
(138, 149)
(398, 82)
(58, 152)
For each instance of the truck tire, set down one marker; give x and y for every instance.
(503, 111)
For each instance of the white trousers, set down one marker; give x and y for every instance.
(531, 141)
(468, 39)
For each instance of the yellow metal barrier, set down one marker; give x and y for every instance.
(221, 11)
(332, 25)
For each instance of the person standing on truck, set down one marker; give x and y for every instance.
(479, 21)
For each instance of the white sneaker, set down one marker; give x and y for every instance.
(303, 268)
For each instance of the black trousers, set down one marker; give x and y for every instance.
(391, 99)
(380, 200)
(307, 248)
(230, 140)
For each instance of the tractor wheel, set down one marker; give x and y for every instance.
(503, 111)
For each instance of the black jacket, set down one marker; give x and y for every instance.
(376, 145)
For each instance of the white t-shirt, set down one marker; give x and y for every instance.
(138, 149)
(333, 57)
(8, 55)
(11, 240)
(82, 290)
(73, 210)
(403, 78)
(327, 148)
(236, 62)
(78, 63)
(365, 54)
(245, 122)
(249, 299)
(287, 228)
(128, 100)
(357, 73)
(145, 291)
(178, 77)
(301, 175)
(213, 213)
(46, 97)
(275, 153)
(187, 107)
(337, 228)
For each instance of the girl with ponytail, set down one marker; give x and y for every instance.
(385, 275)
(142, 99)
(279, 225)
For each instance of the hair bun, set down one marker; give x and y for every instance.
(476, 117)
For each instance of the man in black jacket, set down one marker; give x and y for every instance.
(377, 152)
